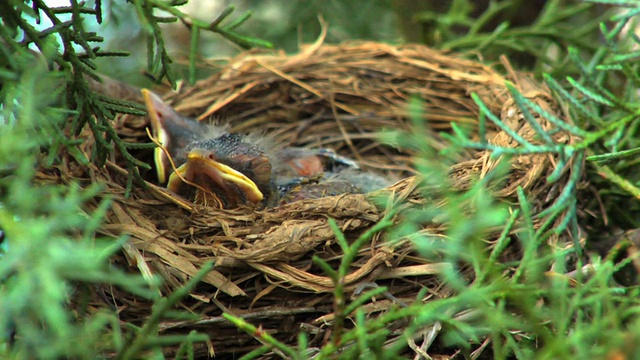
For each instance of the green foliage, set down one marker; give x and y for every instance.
(50, 252)
(529, 32)
(68, 46)
(604, 100)
(57, 46)
(158, 60)
(543, 306)
(554, 303)
(297, 21)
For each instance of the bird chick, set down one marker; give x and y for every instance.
(225, 170)
(295, 163)
(348, 181)
(212, 165)
(215, 166)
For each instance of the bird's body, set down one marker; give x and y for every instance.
(215, 166)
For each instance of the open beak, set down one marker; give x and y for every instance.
(171, 130)
(159, 133)
(215, 178)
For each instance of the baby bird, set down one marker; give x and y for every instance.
(347, 181)
(213, 166)
(209, 163)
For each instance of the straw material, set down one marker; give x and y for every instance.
(335, 96)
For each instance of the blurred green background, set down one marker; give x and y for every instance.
(481, 26)
(284, 23)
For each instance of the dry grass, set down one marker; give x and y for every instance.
(331, 96)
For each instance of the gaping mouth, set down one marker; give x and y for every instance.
(216, 178)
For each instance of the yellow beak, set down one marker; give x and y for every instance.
(159, 156)
(209, 174)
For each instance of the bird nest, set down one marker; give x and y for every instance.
(332, 96)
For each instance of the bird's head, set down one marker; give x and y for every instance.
(172, 131)
(211, 165)
(224, 170)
